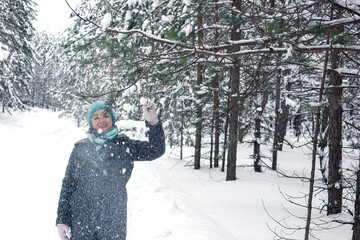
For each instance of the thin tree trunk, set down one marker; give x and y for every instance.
(257, 135)
(216, 122)
(233, 123)
(199, 81)
(284, 116)
(283, 119)
(212, 142)
(226, 130)
(323, 141)
(216, 87)
(182, 135)
(234, 99)
(314, 151)
(277, 121)
(297, 122)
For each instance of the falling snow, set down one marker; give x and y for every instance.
(167, 199)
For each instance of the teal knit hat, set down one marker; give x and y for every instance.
(96, 106)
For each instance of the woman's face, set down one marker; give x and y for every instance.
(101, 120)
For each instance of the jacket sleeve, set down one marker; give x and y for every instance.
(152, 149)
(67, 189)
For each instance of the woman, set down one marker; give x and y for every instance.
(93, 198)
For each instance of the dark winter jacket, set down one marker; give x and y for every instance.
(93, 198)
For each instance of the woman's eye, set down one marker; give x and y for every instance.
(96, 118)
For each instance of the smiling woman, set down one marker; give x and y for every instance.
(53, 16)
(93, 198)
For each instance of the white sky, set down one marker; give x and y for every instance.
(53, 15)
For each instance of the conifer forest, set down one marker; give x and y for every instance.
(218, 71)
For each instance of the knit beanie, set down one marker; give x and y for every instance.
(96, 106)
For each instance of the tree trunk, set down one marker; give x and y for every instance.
(212, 142)
(226, 128)
(283, 119)
(335, 132)
(182, 134)
(234, 99)
(198, 123)
(216, 121)
(323, 141)
(335, 187)
(297, 123)
(257, 135)
(284, 115)
(277, 120)
(199, 81)
(233, 122)
(216, 87)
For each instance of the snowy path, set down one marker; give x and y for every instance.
(171, 209)
(167, 201)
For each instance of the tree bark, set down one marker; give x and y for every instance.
(323, 141)
(216, 110)
(233, 122)
(259, 111)
(277, 121)
(226, 130)
(257, 135)
(182, 133)
(335, 187)
(199, 81)
(216, 122)
(283, 119)
(335, 133)
(297, 123)
(234, 99)
(212, 142)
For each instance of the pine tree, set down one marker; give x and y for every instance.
(16, 30)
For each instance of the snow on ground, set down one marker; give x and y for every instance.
(168, 200)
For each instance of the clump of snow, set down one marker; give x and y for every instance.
(128, 16)
(291, 102)
(144, 101)
(133, 2)
(145, 24)
(289, 53)
(106, 21)
(128, 107)
(187, 2)
(4, 53)
(170, 3)
(168, 18)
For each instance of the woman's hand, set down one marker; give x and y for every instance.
(149, 111)
(64, 232)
